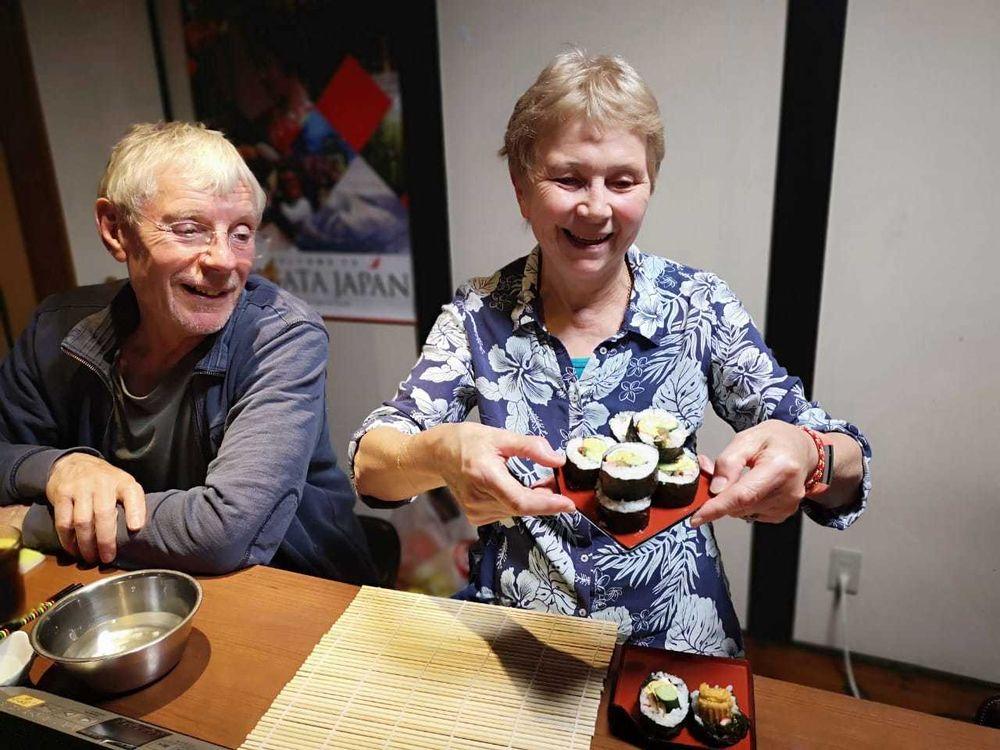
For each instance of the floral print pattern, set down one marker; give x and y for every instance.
(685, 342)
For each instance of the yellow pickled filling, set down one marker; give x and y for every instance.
(682, 465)
(625, 458)
(592, 448)
(657, 425)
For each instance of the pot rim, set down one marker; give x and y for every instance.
(107, 581)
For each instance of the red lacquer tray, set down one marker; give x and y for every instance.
(632, 665)
(659, 518)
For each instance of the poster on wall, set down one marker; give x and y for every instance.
(312, 103)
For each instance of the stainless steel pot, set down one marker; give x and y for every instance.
(122, 632)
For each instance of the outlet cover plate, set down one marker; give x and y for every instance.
(847, 560)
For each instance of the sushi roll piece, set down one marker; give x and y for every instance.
(661, 429)
(621, 426)
(583, 461)
(628, 471)
(622, 516)
(663, 705)
(716, 718)
(677, 481)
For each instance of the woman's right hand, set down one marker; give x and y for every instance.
(473, 462)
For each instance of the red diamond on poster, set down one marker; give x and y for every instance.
(353, 103)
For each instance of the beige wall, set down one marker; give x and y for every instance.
(908, 333)
(96, 75)
(715, 68)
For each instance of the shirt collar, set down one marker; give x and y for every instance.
(647, 308)
(96, 339)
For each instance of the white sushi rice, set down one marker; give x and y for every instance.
(675, 438)
(574, 452)
(653, 709)
(623, 506)
(619, 425)
(649, 455)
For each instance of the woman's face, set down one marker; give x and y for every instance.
(586, 198)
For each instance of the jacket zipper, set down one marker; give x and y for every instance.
(107, 386)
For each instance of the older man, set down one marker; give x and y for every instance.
(178, 419)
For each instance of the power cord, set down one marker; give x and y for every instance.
(842, 601)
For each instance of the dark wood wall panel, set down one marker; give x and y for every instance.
(32, 175)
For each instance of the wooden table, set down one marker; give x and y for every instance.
(256, 627)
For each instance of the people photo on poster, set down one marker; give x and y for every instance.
(313, 105)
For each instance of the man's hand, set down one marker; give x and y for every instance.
(84, 492)
(473, 464)
(760, 475)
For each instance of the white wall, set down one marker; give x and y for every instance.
(96, 75)
(908, 342)
(715, 68)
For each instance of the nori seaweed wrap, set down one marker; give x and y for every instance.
(583, 461)
(663, 705)
(628, 471)
(622, 516)
(677, 481)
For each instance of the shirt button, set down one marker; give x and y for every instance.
(584, 558)
(603, 350)
(582, 612)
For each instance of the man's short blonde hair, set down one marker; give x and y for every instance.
(601, 90)
(206, 159)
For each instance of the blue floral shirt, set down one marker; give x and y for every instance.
(685, 341)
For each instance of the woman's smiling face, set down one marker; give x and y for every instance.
(586, 198)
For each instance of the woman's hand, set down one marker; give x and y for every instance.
(472, 461)
(760, 475)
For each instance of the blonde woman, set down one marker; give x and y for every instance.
(583, 327)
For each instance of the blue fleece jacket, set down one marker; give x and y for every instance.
(273, 492)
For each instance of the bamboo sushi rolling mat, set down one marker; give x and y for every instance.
(401, 670)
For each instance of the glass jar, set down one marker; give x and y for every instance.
(11, 583)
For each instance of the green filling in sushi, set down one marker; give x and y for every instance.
(663, 705)
(666, 693)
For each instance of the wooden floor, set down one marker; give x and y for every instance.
(884, 682)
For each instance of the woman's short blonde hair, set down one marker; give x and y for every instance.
(206, 159)
(603, 91)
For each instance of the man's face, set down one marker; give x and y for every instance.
(187, 289)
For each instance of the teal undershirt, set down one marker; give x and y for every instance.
(579, 364)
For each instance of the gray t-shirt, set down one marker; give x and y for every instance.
(155, 438)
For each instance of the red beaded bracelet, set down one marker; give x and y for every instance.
(820, 463)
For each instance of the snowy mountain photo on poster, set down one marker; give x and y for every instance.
(312, 102)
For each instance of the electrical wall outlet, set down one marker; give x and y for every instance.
(848, 561)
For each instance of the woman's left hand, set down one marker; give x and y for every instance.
(760, 475)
